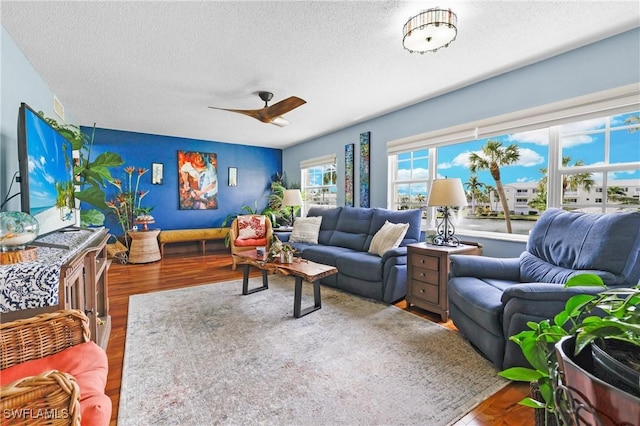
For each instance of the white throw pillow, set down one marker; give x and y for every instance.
(388, 237)
(306, 230)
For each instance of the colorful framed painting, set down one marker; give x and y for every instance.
(348, 174)
(198, 180)
(365, 161)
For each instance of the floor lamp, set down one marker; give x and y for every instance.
(292, 198)
(446, 193)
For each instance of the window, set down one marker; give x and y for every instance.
(319, 182)
(561, 155)
(410, 174)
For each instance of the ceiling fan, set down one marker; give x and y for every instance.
(270, 114)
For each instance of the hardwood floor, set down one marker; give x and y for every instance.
(184, 270)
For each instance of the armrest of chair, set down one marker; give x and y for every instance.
(42, 335)
(57, 392)
(545, 292)
(485, 267)
(398, 256)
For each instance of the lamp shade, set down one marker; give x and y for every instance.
(292, 197)
(447, 192)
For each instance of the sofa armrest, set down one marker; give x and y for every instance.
(42, 335)
(485, 267)
(53, 390)
(545, 292)
(399, 254)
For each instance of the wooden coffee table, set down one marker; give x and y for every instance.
(301, 269)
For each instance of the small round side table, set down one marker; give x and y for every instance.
(144, 246)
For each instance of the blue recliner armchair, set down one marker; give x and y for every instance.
(491, 299)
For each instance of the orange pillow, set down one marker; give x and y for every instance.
(88, 364)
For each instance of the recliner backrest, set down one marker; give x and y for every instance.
(589, 241)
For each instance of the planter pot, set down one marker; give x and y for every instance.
(590, 399)
(612, 371)
(286, 257)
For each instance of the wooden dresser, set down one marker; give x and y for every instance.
(428, 271)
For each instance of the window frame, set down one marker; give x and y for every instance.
(607, 103)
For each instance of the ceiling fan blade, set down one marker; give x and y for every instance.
(255, 113)
(282, 107)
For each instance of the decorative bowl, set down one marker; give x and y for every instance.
(17, 230)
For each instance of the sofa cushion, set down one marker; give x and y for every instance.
(306, 230)
(352, 228)
(326, 255)
(388, 237)
(251, 227)
(413, 217)
(364, 266)
(87, 363)
(534, 270)
(250, 242)
(329, 222)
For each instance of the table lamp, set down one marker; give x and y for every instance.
(292, 198)
(446, 193)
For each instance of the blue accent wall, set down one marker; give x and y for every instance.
(256, 166)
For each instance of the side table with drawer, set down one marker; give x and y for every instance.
(428, 270)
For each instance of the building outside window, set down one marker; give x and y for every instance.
(599, 155)
(318, 177)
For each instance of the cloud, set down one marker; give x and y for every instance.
(538, 137)
(571, 141)
(460, 160)
(529, 158)
(583, 126)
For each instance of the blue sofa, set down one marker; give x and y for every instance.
(491, 299)
(343, 241)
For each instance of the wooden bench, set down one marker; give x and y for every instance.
(186, 235)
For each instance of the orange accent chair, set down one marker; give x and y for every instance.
(242, 241)
(51, 373)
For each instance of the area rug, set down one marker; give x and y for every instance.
(207, 355)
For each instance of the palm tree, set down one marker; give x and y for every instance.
(493, 156)
(474, 186)
(540, 202)
(576, 181)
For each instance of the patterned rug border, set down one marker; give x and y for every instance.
(220, 401)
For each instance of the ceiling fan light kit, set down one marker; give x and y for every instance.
(430, 30)
(270, 114)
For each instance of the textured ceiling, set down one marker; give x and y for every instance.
(154, 67)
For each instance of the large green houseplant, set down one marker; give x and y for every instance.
(92, 175)
(609, 315)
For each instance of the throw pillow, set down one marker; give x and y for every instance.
(306, 230)
(388, 237)
(251, 227)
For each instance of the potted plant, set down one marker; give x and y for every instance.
(92, 175)
(608, 315)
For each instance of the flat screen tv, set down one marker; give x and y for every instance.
(46, 173)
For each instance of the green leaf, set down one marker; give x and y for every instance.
(107, 159)
(590, 280)
(529, 402)
(93, 196)
(91, 217)
(520, 374)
